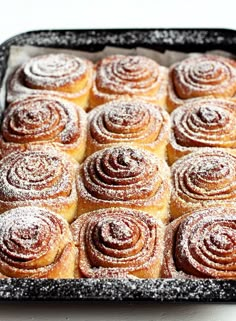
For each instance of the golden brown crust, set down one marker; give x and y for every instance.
(125, 77)
(202, 123)
(39, 121)
(35, 243)
(124, 177)
(64, 76)
(118, 242)
(128, 122)
(44, 178)
(201, 245)
(203, 179)
(201, 76)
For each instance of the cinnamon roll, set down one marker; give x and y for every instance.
(44, 178)
(201, 245)
(203, 179)
(121, 76)
(201, 76)
(133, 122)
(35, 243)
(61, 75)
(124, 177)
(118, 243)
(43, 120)
(202, 123)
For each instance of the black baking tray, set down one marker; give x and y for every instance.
(158, 290)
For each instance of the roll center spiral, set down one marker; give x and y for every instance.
(120, 230)
(209, 114)
(205, 68)
(211, 169)
(222, 239)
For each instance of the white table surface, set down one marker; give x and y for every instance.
(22, 15)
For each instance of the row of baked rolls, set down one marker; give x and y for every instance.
(124, 177)
(203, 179)
(72, 78)
(119, 76)
(202, 123)
(38, 121)
(35, 243)
(113, 177)
(44, 178)
(201, 245)
(133, 122)
(117, 242)
(61, 75)
(201, 76)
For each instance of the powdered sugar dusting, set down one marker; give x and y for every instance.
(201, 76)
(122, 174)
(204, 75)
(118, 243)
(53, 70)
(31, 238)
(48, 74)
(33, 175)
(125, 74)
(203, 179)
(42, 177)
(121, 76)
(204, 123)
(202, 245)
(128, 121)
(40, 119)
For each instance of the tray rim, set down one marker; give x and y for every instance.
(158, 290)
(119, 290)
(29, 32)
(225, 31)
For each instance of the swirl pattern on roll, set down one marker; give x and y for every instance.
(123, 176)
(53, 70)
(203, 123)
(118, 243)
(121, 76)
(43, 120)
(202, 245)
(36, 243)
(65, 76)
(40, 177)
(132, 122)
(200, 76)
(203, 179)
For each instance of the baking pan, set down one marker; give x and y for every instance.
(158, 290)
